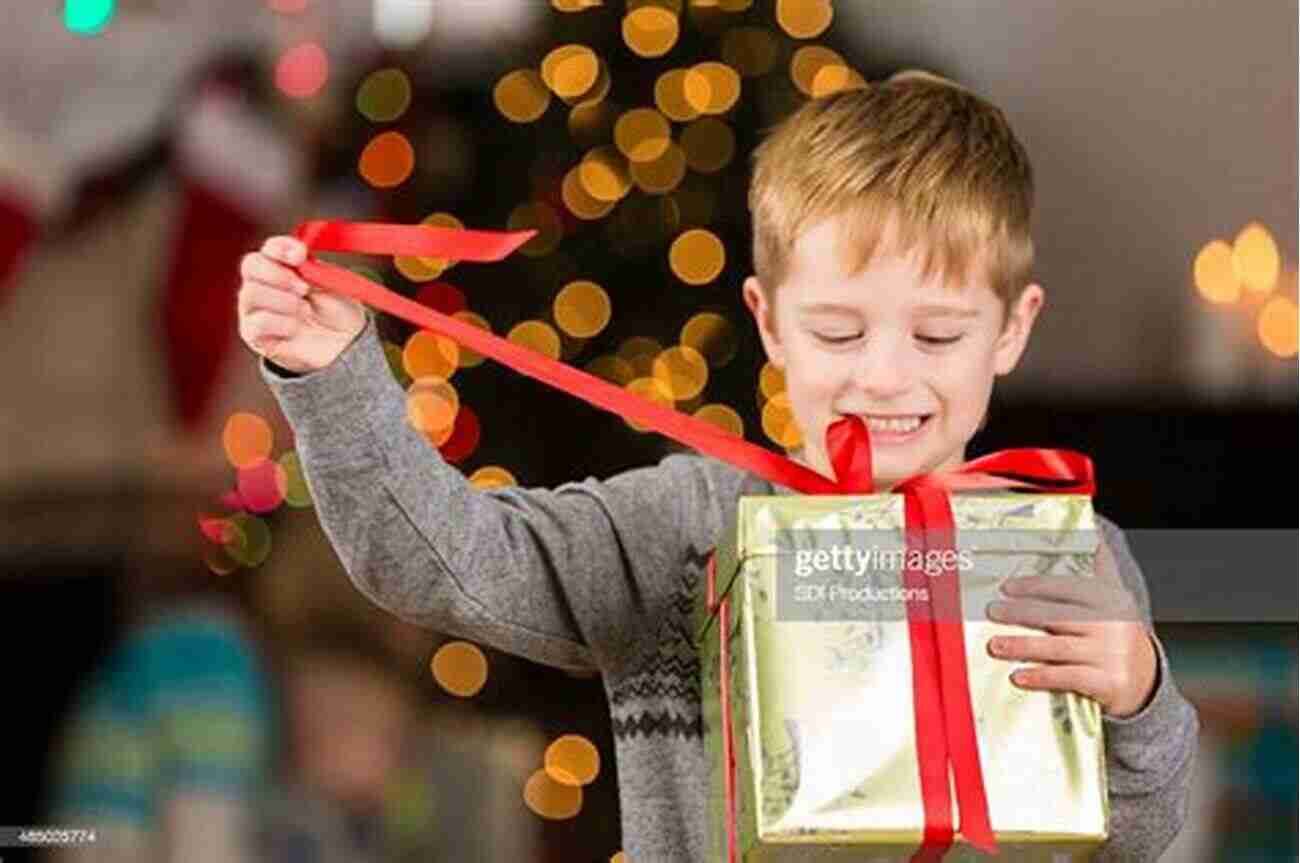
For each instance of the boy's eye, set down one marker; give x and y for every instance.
(837, 340)
(936, 340)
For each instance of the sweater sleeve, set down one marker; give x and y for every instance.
(568, 577)
(1150, 756)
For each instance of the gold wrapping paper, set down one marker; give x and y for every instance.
(823, 720)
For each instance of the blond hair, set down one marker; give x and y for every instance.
(915, 153)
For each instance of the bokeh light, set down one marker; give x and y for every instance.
(492, 476)
(542, 218)
(592, 123)
(596, 93)
(262, 485)
(250, 544)
(723, 417)
(536, 336)
(771, 380)
(441, 220)
(1255, 259)
(470, 358)
(387, 160)
(521, 96)
(384, 96)
(712, 87)
(572, 760)
(612, 368)
(682, 370)
(1279, 326)
(430, 354)
(431, 408)
(1214, 273)
(804, 19)
(460, 668)
(302, 71)
(550, 799)
(650, 388)
(639, 352)
(697, 256)
(570, 70)
(834, 77)
(807, 62)
(604, 174)
(464, 438)
(578, 201)
(752, 51)
(582, 309)
(642, 134)
(779, 423)
(709, 145)
(713, 336)
(663, 174)
(296, 492)
(670, 95)
(575, 5)
(246, 438)
(650, 30)
(441, 296)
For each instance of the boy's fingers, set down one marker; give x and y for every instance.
(254, 295)
(262, 325)
(290, 250)
(257, 267)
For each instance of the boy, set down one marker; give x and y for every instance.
(892, 257)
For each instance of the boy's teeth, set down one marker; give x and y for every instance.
(893, 424)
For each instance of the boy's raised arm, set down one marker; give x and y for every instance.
(571, 577)
(1150, 756)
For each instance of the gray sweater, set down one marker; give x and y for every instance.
(600, 574)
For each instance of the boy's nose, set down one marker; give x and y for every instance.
(881, 370)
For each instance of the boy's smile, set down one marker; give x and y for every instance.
(913, 357)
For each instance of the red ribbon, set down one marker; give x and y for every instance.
(945, 726)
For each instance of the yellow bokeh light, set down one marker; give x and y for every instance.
(441, 220)
(670, 95)
(618, 857)
(431, 408)
(640, 353)
(807, 62)
(1279, 326)
(650, 31)
(417, 269)
(713, 336)
(604, 174)
(779, 423)
(683, 370)
(521, 96)
(650, 388)
(384, 96)
(572, 760)
(642, 134)
(537, 336)
(612, 368)
(723, 417)
(804, 19)
(1214, 274)
(467, 357)
(834, 77)
(1255, 259)
(712, 87)
(570, 70)
(550, 799)
(387, 160)
(596, 93)
(576, 199)
(709, 144)
(460, 668)
(247, 439)
(492, 476)
(752, 51)
(428, 354)
(575, 5)
(697, 256)
(663, 174)
(540, 217)
(771, 380)
(582, 309)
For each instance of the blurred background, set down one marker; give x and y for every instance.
(185, 653)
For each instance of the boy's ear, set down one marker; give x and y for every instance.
(1010, 344)
(764, 314)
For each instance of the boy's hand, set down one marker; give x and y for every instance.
(1097, 644)
(286, 320)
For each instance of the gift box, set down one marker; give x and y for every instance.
(824, 715)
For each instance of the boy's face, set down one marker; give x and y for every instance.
(915, 359)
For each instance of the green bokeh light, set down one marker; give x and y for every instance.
(87, 17)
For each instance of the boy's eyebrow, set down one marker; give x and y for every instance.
(928, 310)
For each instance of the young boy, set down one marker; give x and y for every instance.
(892, 257)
